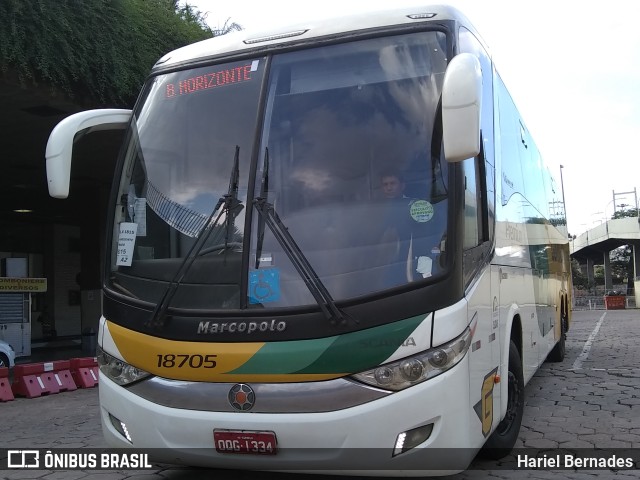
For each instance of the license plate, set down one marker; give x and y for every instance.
(245, 441)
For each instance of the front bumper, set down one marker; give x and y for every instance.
(356, 441)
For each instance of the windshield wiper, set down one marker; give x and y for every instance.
(264, 189)
(230, 205)
(233, 206)
(270, 217)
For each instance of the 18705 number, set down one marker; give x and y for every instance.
(179, 361)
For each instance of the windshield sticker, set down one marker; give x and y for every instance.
(266, 260)
(137, 209)
(206, 81)
(126, 243)
(425, 264)
(264, 285)
(140, 216)
(421, 211)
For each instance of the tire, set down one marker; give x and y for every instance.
(4, 361)
(504, 438)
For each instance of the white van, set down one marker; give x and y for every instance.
(7, 355)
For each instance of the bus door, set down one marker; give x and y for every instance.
(482, 296)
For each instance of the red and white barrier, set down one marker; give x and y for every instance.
(35, 379)
(28, 382)
(6, 393)
(58, 376)
(85, 371)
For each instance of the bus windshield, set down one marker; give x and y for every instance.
(347, 158)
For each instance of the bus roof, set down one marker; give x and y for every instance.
(301, 33)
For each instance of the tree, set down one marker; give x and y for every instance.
(622, 266)
(598, 275)
(580, 280)
(622, 257)
(629, 212)
(97, 52)
(190, 14)
(227, 28)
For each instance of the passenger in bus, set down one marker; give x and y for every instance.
(395, 240)
(416, 229)
(392, 184)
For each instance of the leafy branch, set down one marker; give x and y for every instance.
(96, 52)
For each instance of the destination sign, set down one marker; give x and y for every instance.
(219, 78)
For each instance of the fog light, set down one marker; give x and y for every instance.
(120, 427)
(412, 438)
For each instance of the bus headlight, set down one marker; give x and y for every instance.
(417, 368)
(118, 370)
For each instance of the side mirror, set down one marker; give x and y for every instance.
(60, 145)
(461, 108)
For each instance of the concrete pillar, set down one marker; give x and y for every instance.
(608, 282)
(635, 258)
(635, 252)
(590, 276)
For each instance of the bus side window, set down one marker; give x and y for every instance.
(484, 169)
(476, 236)
(472, 204)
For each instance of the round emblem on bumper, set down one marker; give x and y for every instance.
(242, 397)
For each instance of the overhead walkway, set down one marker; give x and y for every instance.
(594, 246)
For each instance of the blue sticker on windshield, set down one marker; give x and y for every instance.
(264, 285)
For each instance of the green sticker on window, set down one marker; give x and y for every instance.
(421, 211)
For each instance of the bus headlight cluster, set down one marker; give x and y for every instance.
(417, 368)
(118, 370)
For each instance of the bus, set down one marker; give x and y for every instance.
(267, 306)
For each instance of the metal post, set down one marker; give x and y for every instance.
(622, 205)
(608, 280)
(564, 205)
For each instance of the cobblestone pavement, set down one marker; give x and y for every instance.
(592, 399)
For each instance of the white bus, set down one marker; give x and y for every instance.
(269, 305)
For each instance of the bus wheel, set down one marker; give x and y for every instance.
(505, 436)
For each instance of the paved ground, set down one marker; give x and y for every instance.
(592, 399)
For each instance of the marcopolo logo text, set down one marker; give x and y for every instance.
(241, 327)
